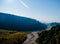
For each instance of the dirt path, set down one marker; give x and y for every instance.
(31, 37)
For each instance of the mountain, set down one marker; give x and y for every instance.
(12, 22)
(50, 25)
(53, 24)
(51, 36)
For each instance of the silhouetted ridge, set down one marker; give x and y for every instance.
(12, 22)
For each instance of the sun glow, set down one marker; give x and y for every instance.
(10, 1)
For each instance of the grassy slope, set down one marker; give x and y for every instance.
(12, 37)
(50, 37)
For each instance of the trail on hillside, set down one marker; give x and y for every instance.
(31, 38)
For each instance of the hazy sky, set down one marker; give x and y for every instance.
(42, 10)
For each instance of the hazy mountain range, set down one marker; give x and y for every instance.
(53, 24)
(12, 22)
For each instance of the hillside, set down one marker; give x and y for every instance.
(51, 36)
(53, 24)
(12, 37)
(12, 22)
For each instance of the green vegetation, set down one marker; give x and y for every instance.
(12, 37)
(49, 36)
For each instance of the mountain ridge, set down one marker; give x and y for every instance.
(12, 22)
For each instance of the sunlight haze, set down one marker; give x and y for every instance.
(42, 10)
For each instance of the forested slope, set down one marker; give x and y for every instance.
(51, 36)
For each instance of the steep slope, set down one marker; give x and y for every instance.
(50, 36)
(12, 22)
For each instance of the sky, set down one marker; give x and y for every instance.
(42, 10)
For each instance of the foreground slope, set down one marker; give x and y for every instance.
(50, 37)
(12, 37)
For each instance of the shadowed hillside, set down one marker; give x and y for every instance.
(50, 37)
(12, 22)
